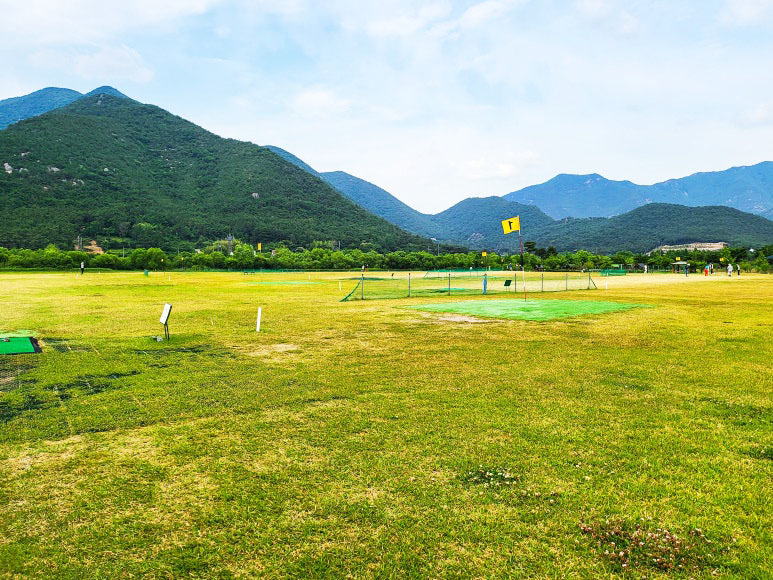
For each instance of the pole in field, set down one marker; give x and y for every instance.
(508, 227)
(257, 324)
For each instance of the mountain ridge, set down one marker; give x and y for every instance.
(44, 100)
(747, 188)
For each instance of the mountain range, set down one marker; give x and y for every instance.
(127, 173)
(749, 189)
(475, 222)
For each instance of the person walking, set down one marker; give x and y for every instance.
(83, 267)
(730, 270)
(738, 269)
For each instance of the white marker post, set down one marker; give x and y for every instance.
(257, 324)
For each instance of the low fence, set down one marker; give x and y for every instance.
(462, 283)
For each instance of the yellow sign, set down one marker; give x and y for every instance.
(721, 259)
(677, 258)
(260, 247)
(512, 225)
(484, 254)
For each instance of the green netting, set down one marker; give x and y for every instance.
(614, 272)
(538, 310)
(462, 284)
(455, 273)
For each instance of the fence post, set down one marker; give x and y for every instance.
(567, 280)
(362, 287)
(409, 284)
(543, 281)
(449, 282)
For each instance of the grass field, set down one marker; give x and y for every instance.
(369, 439)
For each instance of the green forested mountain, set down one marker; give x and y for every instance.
(655, 224)
(382, 203)
(115, 169)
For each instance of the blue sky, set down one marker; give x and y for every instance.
(434, 101)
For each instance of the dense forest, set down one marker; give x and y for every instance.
(127, 174)
(235, 255)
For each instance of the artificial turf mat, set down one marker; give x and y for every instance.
(527, 309)
(18, 345)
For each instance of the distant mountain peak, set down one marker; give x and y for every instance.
(106, 90)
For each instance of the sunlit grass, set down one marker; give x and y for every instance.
(341, 438)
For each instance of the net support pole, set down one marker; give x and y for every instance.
(409, 284)
(362, 287)
(543, 282)
(449, 282)
(567, 281)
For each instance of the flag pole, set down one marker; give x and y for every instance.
(523, 266)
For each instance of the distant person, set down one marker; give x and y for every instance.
(729, 269)
(686, 269)
(738, 269)
(706, 270)
(83, 267)
(645, 268)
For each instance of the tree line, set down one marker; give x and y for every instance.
(236, 255)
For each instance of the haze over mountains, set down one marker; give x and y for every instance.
(136, 174)
(746, 188)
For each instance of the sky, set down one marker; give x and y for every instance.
(433, 101)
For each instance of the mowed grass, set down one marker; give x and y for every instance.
(367, 439)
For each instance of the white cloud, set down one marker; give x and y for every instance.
(407, 22)
(101, 64)
(762, 114)
(497, 167)
(609, 15)
(319, 101)
(52, 22)
(745, 12)
(475, 17)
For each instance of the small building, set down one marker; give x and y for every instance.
(678, 266)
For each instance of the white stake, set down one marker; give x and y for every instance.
(339, 285)
(257, 325)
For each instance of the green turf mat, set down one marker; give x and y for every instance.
(17, 345)
(527, 309)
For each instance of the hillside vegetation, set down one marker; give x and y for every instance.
(123, 172)
(658, 223)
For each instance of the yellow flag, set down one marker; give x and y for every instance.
(260, 247)
(484, 254)
(512, 225)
